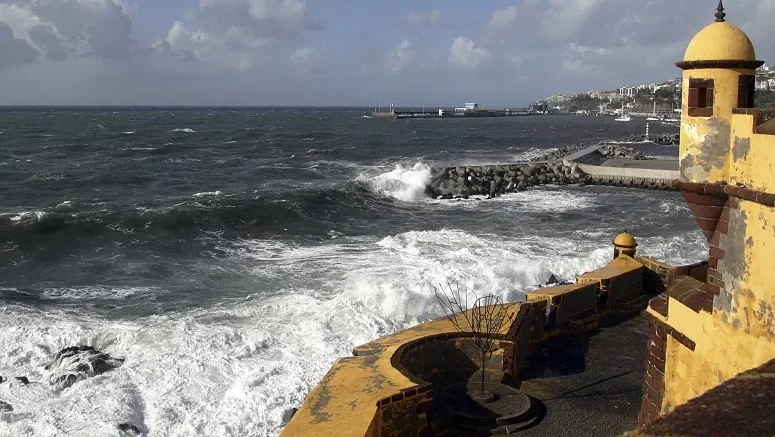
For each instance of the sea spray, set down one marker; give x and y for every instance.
(403, 183)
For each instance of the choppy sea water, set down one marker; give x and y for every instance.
(230, 256)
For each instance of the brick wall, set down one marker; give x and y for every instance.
(656, 355)
(407, 413)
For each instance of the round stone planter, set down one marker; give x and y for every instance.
(499, 406)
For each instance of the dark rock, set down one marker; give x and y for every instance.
(128, 429)
(77, 363)
(5, 407)
(2, 380)
(22, 379)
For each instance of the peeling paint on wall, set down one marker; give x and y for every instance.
(741, 148)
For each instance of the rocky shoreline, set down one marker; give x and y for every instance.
(461, 182)
(661, 139)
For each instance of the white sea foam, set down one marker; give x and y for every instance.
(236, 369)
(186, 130)
(26, 215)
(531, 201)
(128, 132)
(96, 292)
(532, 153)
(207, 194)
(403, 183)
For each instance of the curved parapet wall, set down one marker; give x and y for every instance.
(387, 387)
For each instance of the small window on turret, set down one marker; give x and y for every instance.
(701, 97)
(745, 91)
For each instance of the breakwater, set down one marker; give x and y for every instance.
(661, 139)
(574, 165)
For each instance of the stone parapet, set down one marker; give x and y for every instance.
(387, 388)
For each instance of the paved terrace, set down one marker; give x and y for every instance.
(583, 380)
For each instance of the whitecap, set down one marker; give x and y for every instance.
(185, 130)
(128, 132)
(207, 194)
(403, 183)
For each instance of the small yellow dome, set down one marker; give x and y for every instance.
(625, 239)
(720, 41)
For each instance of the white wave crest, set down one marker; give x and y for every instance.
(207, 194)
(403, 183)
(186, 130)
(26, 215)
(128, 132)
(237, 368)
(532, 153)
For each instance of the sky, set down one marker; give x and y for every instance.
(347, 52)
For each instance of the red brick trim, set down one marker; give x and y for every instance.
(691, 293)
(659, 304)
(728, 64)
(720, 190)
(656, 354)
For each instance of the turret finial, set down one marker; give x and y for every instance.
(720, 12)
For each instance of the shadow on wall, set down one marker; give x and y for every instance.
(559, 356)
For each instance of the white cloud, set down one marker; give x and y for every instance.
(62, 29)
(432, 18)
(399, 57)
(233, 33)
(301, 56)
(465, 54)
(503, 18)
(279, 10)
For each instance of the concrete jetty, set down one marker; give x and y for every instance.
(598, 164)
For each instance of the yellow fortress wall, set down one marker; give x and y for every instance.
(704, 331)
(708, 322)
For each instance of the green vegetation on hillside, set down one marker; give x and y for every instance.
(581, 102)
(764, 99)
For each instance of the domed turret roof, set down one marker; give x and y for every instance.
(625, 239)
(720, 41)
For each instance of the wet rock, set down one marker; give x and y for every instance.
(77, 363)
(288, 414)
(2, 380)
(23, 379)
(127, 429)
(5, 407)
(552, 280)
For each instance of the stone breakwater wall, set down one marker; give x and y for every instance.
(661, 139)
(610, 151)
(495, 180)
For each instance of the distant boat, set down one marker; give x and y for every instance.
(624, 117)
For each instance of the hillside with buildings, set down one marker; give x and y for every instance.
(661, 98)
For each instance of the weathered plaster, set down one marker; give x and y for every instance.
(733, 266)
(704, 157)
(741, 148)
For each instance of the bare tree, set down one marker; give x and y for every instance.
(485, 318)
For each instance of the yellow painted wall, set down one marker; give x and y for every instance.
(753, 297)
(705, 142)
(740, 333)
(752, 156)
(721, 352)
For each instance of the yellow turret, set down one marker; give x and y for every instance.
(624, 244)
(718, 76)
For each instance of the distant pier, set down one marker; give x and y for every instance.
(469, 110)
(593, 165)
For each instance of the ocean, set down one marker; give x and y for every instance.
(231, 255)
